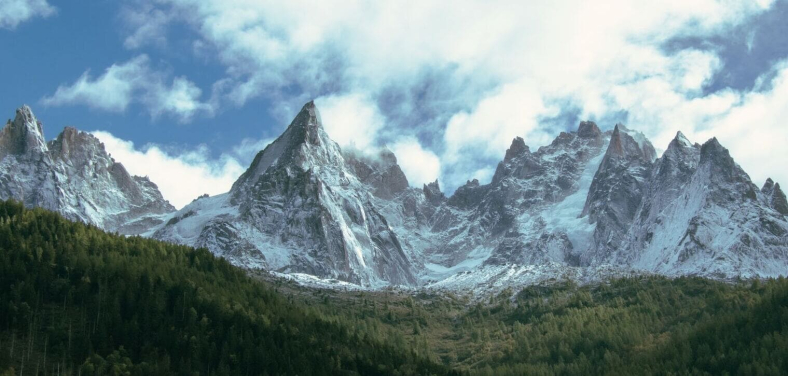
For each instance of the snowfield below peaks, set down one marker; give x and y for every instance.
(589, 206)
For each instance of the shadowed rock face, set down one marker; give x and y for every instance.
(23, 136)
(616, 192)
(433, 194)
(75, 176)
(590, 199)
(381, 172)
(775, 196)
(504, 218)
(701, 215)
(304, 207)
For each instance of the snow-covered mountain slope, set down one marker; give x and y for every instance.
(300, 208)
(588, 206)
(702, 215)
(74, 175)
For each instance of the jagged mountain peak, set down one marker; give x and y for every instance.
(304, 145)
(387, 157)
(627, 144)
(433, 186)
(307, 125)
(713, 146)
(24, 115)
(75, 176)
(775, 196)
(768, 186)
(305, 206)
(433, 193)
(23, 135)
(618, 143)
(616, 191)
(681, 140)
(722, 166)
(588, 129)
(378, 170)
(517, 148)
(72, 143)
(681, 145)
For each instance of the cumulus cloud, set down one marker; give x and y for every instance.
(754, 129)
(419, 165)
(350, 120)
(133, 81)
(508, 67)
(14, 12)
(490, 127)
(181, 176)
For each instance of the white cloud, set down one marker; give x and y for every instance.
(14, 12)
(133, 81)
(419, 165)
(350, 120)
(181, 99)
(112, 91)
(602, 57)
(248, 148)
(497, 119)
(147, 25)
(754, 130)
(181, 177)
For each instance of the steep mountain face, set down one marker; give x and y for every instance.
(589, 205)
(75, 176)
(301, 208)
(774, 197)
(26, 169)
(616, 192)
(702, 215)
(513, 219)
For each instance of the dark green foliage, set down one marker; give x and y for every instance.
(632, 326)
(650, 325)
(76, 300)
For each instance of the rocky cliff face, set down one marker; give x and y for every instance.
(513, 218)
(302, 208)
(593, 202)
(616, 192)
(702, 215)
(590, 204)
(74, 175)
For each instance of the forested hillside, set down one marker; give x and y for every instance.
(77, 301)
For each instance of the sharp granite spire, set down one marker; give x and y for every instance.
(75, 176)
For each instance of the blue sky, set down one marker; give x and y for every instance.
(186, 91)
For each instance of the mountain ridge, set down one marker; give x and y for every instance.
(589, 204)
(74, 175)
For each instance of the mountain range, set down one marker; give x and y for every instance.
(590, 204)
(75, 176)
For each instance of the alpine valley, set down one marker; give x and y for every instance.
(591, 205)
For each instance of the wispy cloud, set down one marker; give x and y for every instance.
(147, 26)
(133, 81)
(14, 12)
(502, 67)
